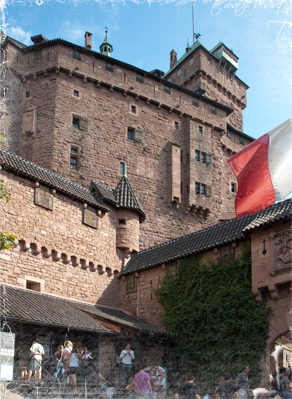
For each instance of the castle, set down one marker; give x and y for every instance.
(104, 160)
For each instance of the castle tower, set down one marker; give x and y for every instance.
(106, 48)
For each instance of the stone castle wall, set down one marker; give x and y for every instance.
(57, 251)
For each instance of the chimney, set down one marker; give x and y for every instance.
(173, 58)
(88, 40)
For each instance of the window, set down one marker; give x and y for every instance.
(229, 135)
(130, 134)
(76, 55)
(202, 189)
(131, 283)
(27, 94)
(209, 60)
(167, 89)
(134, 134)
(197, 188)
(90, 217)
(176, 125)
(79, 122)
(233, 187)
(133, 109)
(200, 129)
(123, 168)
(241, 140)
(196, 102)
(76, 93)
(122, 221)
(139, 78)
(109, 67)
(76, 122)
(43, 197)
(32, 285)
(203, 157)
(213, 110)
(74, 158)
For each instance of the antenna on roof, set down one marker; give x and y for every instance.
(195, 35)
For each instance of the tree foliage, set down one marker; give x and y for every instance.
(6, 239)
(219, 325)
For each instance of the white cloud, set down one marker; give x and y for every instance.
(19, 34)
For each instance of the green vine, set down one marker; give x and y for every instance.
(219, 325)
(6, 239)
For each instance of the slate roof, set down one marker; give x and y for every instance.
(38, 308)
(126, 197)
(34, 172)
(122, 197)
(207, 239)
(142, 72)
(118, 316)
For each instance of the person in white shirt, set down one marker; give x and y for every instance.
(126, 357)
(37, 353)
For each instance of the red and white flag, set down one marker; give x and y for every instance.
(263, 170)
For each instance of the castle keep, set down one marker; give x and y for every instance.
(87, 116)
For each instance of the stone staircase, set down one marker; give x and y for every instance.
(45, 390)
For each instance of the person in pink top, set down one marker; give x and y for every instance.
(142, 384)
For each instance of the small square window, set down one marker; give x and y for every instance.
(76, 55)
(44, 197)
(200, 129)
(133, 109)
(131, 283)
(241, 140)
(109, 67)
(213, 110)
(139, 78)
(76, 122)
(176, 125)
(233, 187)
(76, 93)
(27, 94)
(122, 221)
(123, 168)
(167, 89)
(196, 102)
(32, 285)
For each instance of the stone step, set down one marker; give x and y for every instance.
(55, 391)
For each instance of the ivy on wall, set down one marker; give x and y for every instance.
(219, 325)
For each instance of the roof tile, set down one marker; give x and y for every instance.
(199, 241)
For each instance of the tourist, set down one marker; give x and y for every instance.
(37, 354)
(227, 390)
(242, 382)
(159, 381)
(126, 358)
(72, 366)
(188, 390)
(142, 384)
(59, 368)
(112, 381)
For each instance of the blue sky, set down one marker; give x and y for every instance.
(144, 32)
